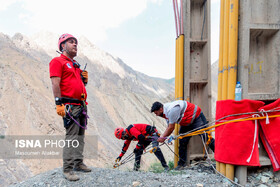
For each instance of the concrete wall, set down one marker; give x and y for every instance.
(197, 62)
(258, 50)
(258, 57)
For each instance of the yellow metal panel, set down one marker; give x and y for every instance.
(179, 86)
(176, 143)
(233, 39)
(225, 50)
(232, 62)
(223, 168)
(177, 69)
(181, 67)
(218, 166)
(220, 69)
(230, 171)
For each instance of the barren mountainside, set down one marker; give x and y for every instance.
(117, 96)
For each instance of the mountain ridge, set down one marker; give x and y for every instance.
(116, 98)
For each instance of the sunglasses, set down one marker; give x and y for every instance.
(124, 135)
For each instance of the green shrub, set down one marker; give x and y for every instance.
(171, 164)
(156, 168)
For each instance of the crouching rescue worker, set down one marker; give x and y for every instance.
(139, 132)
(68, 84)
(189, 116)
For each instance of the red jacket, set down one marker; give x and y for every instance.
(137, 132)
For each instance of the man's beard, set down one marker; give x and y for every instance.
(125, 136)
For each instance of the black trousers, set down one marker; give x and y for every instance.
(158, 154)
(183, 143)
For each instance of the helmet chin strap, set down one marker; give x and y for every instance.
(65, 49)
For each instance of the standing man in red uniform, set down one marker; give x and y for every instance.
(189, 116)
(138, 132)
(68, 84)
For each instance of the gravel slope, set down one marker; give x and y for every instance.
(114, 177)
(199, 174)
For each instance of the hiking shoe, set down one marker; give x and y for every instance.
(179, 168)
(136, 167)
(166, 169)
(71, 176)
(83, 168)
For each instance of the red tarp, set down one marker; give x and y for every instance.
(270, 129)
(237, 143)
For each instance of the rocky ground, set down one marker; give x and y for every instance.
(199, 174)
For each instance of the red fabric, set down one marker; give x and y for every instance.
(125, 147)
(188, 115)
(71, 85)
(270, 134)
(138, 129)
(234, 141)
(133, 133)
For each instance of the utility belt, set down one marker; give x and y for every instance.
(70, 101)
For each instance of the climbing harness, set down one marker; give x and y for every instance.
(69, 116)
(83, 112)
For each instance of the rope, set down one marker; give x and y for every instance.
(197, 131)
(200, 130)
(230, 121)
(173, 152)
(129, 157)
(209, 162)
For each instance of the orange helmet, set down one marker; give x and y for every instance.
(63, 38)
(118, 132)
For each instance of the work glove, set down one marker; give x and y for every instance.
(60, 110)
(85, 76)
(118, 159)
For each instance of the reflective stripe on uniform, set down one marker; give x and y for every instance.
(194, 113)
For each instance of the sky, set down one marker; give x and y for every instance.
(140, 32)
